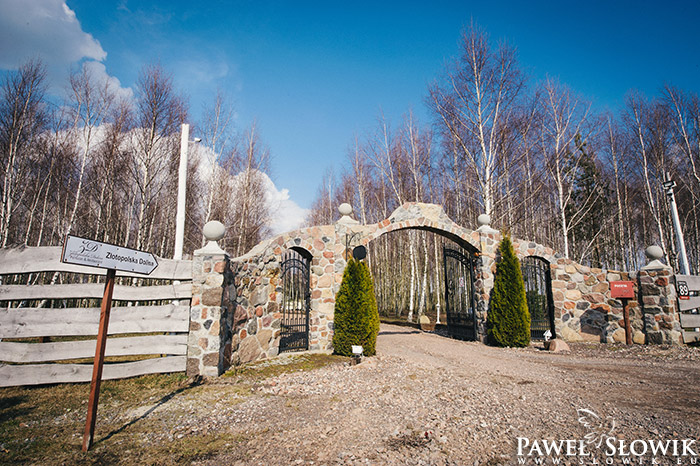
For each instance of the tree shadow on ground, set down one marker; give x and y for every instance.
(386, 332)
(158, 404)
(9, 408)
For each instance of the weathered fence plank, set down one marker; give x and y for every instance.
(48, 259)
(43, 322)
(691, 337)
(60, 351)
(52, 322)
(38, 374)
(95, 290)
(690, 320)
(687, 304)
(693, 281)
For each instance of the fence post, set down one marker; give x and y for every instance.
(661, 320)
(209, 340)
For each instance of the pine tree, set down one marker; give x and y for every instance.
(508, 318)
(356, 319)
(589, 208)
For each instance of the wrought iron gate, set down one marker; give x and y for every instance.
(538, 290)
(296, 296)
(460, 304)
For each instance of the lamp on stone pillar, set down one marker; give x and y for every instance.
(345, 210)
(654, 254)
(484, 221)
(213, 231)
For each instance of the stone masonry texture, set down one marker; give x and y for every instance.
(236, 311)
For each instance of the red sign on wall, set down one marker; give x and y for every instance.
(622, 289)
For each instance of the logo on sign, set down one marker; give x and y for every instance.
(83, 251)
(683, 290)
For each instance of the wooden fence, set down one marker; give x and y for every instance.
(149, 328)
(688, 306)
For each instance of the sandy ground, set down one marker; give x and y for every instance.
(427, 399)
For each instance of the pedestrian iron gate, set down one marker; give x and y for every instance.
(296, 296)
(460, 304)
(538, 290)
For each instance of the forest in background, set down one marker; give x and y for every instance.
(101, 166)
(536, 157)
(533, 155)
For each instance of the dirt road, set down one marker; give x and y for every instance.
(427, 399)
(424, 400)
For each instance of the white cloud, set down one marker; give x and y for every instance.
(200, 70)
(99, 73)
(48, 30)
(285, 213)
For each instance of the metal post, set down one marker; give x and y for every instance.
(682, 255)
(99, 360)
(181, 193)
(626, 318)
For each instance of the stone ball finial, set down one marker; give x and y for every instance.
(654, 253)
(483, 219)
(345, 209)
(214, 230)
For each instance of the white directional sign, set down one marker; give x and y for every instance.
(81, 251)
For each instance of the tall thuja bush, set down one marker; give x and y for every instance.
(356, 319)
(508, 318)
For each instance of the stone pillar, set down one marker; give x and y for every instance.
(209, 341)
(661, 320)
(488, 242)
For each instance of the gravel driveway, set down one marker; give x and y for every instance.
(427, 399)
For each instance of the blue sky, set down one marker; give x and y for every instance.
(315, 74)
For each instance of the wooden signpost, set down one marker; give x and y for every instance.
(82, 251)
(624, 291)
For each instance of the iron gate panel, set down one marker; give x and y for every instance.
(460, 304)
(538, 290)
(296, 295)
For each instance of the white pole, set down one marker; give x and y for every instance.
(683, 256)
(181, 194)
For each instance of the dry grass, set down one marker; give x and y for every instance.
(291, 362)
(135, 421)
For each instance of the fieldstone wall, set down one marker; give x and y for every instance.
(583, 307)
(257, 317)
(661, 317)
(249, 313)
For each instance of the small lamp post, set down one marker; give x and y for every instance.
(356, 354)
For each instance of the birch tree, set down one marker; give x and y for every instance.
(217, 137)
(22, 121)
(563, 121)
(251, 216)
(472, 102)
(159, 114)
(90, 103)
(111, 195)
(643, 120)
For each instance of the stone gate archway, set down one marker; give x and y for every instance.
(257, 311)
(249, 288)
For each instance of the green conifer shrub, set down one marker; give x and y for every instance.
(508, 317)
(356, 320)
